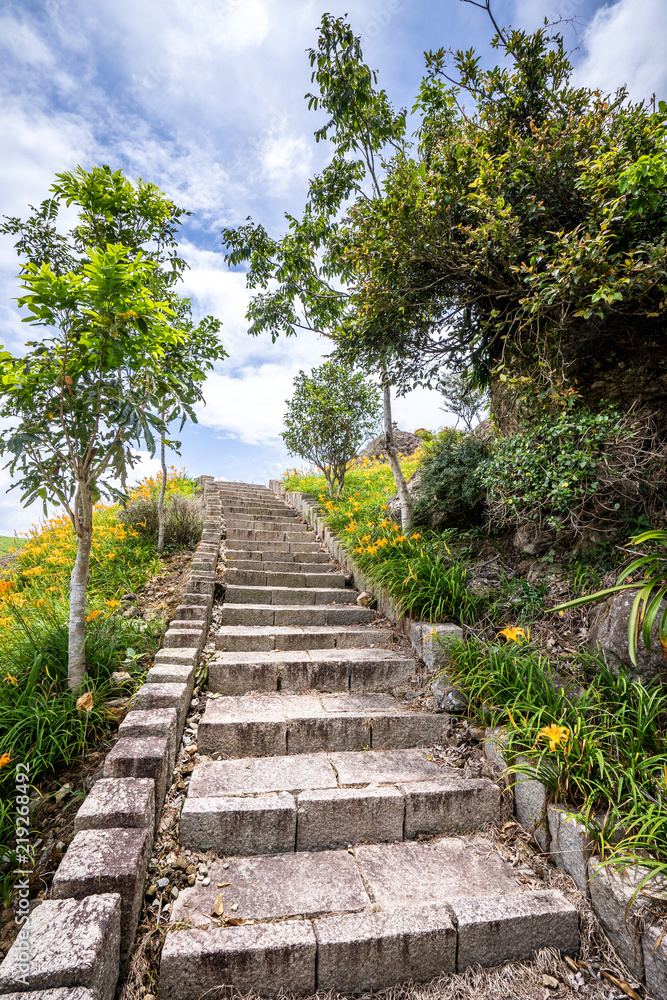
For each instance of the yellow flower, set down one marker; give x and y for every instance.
(11, 680)
(558, 736)
(113, 604)
(93, 615)
(416, 536)
(359, 548)
(5, 759)
(515, 634)
(366, 538)
(381, 542)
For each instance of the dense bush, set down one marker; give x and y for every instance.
(451, 490)
(183, 512)
(578, 467)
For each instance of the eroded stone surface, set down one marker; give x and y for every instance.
(141, 757)
(279, 774)
(506, 928)
(264, 824)
(410, 874)
(611, 896)
(571, 846)
(286, 885)
(107, 861)
(383, 767)
(449, 806)
(337, 817)
(73, 943)
(118, 802)
(655, 960)
(260, 959)
(153, 722)
(368, 951)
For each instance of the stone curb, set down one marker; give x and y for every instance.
(80, 940)
(643, 949)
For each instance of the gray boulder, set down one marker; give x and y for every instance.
(609, 635)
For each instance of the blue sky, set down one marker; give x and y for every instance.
(205, 98)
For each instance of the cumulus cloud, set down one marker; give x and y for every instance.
(622, 47)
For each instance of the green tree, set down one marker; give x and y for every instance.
(304, 277)
(525, 237)
(117, 347)
(330, 415)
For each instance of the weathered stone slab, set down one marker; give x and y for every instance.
(654, 944)
(279, 774)
(247, 614)
(164, 696)
(409, 874)
(611, 896)
(326, 731)
(172, 673)
(379, 668)
(264, 824)
(337, 817)
(154, 722)
(99, 861)
(243, 737)
(285, 885)
(188, 656)
(63, 993)
(503, 928)
(141, 757)
(260, 959)
(230, 675)
(72, 943)
(357, 702)
(571, 847)
(383, 767)
(449, 806)
(118, 802)
(407, 729)
(530, 807)
(179, 638)
(368, 951)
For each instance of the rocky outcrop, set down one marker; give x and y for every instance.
(406, 444)
(609, 634)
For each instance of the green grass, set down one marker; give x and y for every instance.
(8, 542)
(607, 761)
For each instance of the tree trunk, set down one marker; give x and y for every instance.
(404, 497)
(160, 500)
(76, 653)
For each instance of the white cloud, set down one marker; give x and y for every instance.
(625, 45)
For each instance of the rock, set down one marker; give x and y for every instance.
(393, 503)
(119, 677)
(365, 599)
(534, 540)
(609, 634)
(448, 697)
(406, 443)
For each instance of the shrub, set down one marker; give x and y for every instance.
(451, 491)
(578, 467)
(183, 519)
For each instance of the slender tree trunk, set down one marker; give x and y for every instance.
(76, 653)
(160, 500)
(404, 497)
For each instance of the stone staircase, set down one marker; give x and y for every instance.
(340, 854)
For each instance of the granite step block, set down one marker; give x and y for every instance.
(240, 638)
(308, 670)
(287, 578)
(251, 594)
(118, 802)
(274, 724)
(286, 614)
(107, 861)
(74, 944)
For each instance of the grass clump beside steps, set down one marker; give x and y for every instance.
(40, 723)
(596, 741)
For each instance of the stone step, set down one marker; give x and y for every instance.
(256, 556)
(295, 614)
(253, 545)
(282, 566)
(309, 670)
(262, 578)
(298, 534)
(260, 638)
(362, 919)
(276, 724)
(259, 514)
(322, 801)
(243, 594)
(279, 525)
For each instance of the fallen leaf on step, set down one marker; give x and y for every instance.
(221, 885)
(237, 921)
(622, 985)
(571, 964)
(85, 702)
(549, 981)
(218, 906)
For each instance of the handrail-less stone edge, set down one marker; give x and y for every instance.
(643, 947)
(80, 939)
